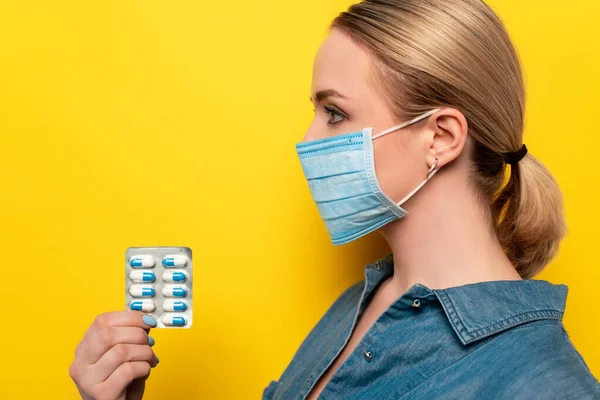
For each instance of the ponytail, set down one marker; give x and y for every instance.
(529, 218)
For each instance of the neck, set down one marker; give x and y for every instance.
(444, 241)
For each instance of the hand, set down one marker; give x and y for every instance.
(113, 360)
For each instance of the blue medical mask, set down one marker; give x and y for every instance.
(341, 177)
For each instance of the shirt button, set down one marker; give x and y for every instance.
(416, 303)
(368, 355)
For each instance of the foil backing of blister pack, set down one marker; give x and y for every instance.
(167, 297)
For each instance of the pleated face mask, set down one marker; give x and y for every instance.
(340, 171)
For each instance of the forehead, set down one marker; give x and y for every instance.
(342, 65)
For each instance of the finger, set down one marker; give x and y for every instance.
(122, 377)
(102, 340)
(121, 354)
(115, 319)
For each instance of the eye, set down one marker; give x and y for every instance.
(335, 116)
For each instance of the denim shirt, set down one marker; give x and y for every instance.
(489, 340)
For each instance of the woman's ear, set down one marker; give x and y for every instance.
(448, 136)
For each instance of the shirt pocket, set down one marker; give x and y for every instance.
(270, 390)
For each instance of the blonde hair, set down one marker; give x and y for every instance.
(457, 53)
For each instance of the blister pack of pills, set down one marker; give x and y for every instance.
(159, 283)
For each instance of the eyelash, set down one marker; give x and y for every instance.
(330, 111)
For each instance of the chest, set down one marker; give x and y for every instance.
(381, 355)
(364, 323)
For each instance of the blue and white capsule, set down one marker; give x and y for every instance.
(142, 276)
(174, 320)
(174, 305)
(175, 261)
(142, 305)
(174, 291)
(174, 276)
(142, 261)
(141, 291)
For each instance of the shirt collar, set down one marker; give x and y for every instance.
(479, 310)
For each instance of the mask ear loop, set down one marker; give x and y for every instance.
(407, 123)
(430, 174)
(432, 170)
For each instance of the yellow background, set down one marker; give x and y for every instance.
(140, 123)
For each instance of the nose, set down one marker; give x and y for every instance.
(311, 134)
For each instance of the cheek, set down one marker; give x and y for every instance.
(398, 168)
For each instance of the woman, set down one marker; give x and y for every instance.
(452, 314)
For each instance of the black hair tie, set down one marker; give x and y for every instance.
(513, 157)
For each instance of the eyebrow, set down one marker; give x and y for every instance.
(323, 94)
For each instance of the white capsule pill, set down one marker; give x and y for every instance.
(174, 261)
(143, 305)
(174, 305)
(141, 261)
(174, 276)
(142, 291)
(174, 320)
(142, 276)
(174, 291)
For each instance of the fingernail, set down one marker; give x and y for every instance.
(156, 359)
(150, 341)
(148, 320)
